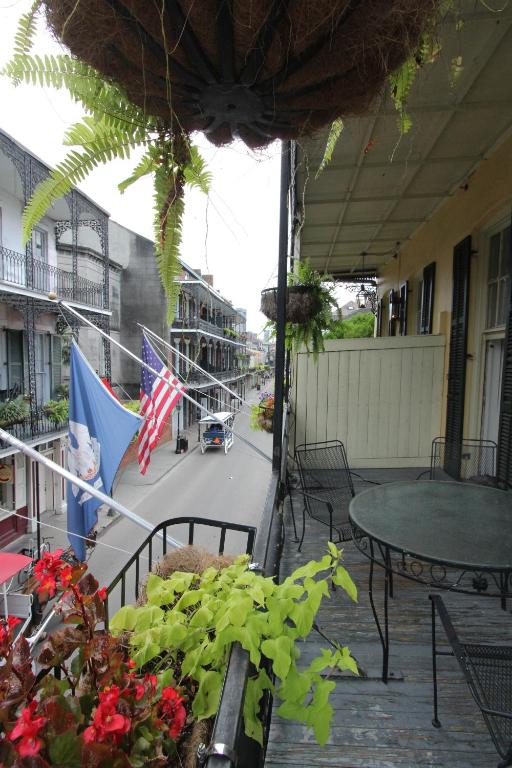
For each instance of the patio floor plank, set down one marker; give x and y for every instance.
(389, 726)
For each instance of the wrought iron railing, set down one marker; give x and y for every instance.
(155, 546)
(196, 377)
(211, 325)
(20, 269)
(30, 429)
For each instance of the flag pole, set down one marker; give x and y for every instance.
(184, 394)
(42, 459)
(189, 360)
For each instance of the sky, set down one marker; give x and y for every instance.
(232, 233)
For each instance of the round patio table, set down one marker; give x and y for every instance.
(447, 535)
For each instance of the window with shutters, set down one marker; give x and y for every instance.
(402, 313)
(14, 363)
(498, 278)
(392, 314)
(378, 324)
(56, 363)
(426, 299)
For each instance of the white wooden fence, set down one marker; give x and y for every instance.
(381, 397)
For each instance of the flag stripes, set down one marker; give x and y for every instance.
(157, 399)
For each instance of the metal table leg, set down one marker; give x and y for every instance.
(383, 631)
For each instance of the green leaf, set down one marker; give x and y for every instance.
(202, 617)
(280, 652)
(147, 616)
(124, 619)
(292, 711)
(303, 615)
(320, 719)
(310, 569)
(333, 550)
(189, 599)
(296, 686)
(332, 139)
(206, 701)
(325, 660)
(239, 608)
(346, 661)
(146, 166)
(256, 686)
(342, 579)
(65, 750)
(147, 650)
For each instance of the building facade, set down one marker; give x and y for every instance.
(207, 329)
(67, 256)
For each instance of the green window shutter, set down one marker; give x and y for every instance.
(56, 360)
(14, 363)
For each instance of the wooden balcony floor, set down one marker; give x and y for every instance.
(389, 726)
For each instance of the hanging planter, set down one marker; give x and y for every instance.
(302, 303)
(231, 69)
(310, 305)
(13, 412)
(262, 415)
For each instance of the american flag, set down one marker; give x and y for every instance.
(157, 399)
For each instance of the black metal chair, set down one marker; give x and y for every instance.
(488, 672)
(471, 460)
(326, 486)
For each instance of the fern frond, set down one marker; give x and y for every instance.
(401, 82)
(25, 33)
(101, 143)
(332, 139)
(169, 207)
(195, 171)
(147, 164)
(100, 98)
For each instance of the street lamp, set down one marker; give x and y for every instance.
(177, 408)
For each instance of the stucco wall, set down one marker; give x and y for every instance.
(142, 299)
(472, 208)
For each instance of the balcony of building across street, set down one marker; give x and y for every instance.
(23, 271)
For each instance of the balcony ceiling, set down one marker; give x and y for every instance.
(378, 189)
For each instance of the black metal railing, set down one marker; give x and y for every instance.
(197, 377)
(212, 325)
(29, 429)
(155, 546)
(228, 730)
(20, 269)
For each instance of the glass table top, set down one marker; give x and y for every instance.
(447, 522)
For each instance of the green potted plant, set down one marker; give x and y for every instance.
(13, 411)
(310, 305)
(133, 695)
(262, 413)
(57, 410)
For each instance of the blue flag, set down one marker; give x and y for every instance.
(100, 431)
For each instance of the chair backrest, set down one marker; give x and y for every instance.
(324, 466)
(488, 673)
(471, 460)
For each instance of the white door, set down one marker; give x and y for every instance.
(492, 389)
(46, 495)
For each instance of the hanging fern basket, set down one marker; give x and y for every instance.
(258, 70)
(303, 302)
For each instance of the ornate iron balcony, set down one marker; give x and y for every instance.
(20, 269)
(42, 425)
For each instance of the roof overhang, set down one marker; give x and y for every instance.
(379, 188)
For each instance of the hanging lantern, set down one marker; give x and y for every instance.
(361, 296)
(256, 70)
